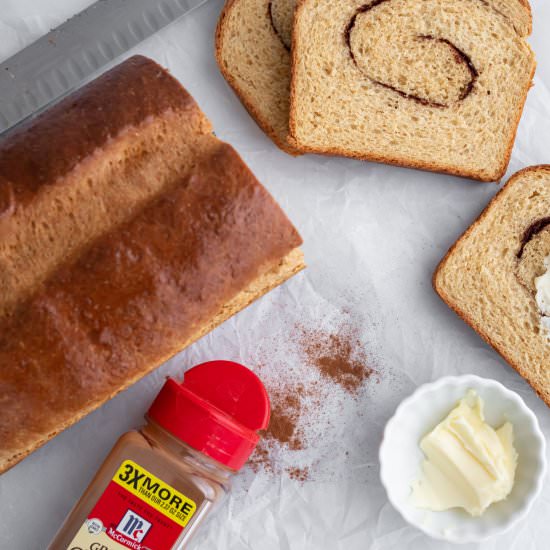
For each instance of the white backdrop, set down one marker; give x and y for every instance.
(373, 236)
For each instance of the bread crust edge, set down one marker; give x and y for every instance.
(248, 104)
(440, 290)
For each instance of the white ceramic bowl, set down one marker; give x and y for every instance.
(401, 457)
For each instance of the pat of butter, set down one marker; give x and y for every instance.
(468, 464)
(542, 285)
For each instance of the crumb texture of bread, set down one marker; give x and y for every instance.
(176, 236)
(252, 50)
(488, 276)
(432, 84)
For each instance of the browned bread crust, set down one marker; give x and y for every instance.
(526, 369)
(121, 98)
(198, 250)
(88, 163)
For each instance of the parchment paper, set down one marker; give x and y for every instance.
(373, 236)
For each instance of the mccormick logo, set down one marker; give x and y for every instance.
(133, 526)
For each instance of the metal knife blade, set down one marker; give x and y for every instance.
(67, 56)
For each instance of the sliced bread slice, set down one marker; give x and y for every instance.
(432, 84)
(488, 276)
(253, 53)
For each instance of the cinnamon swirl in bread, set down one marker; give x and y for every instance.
(432, 84)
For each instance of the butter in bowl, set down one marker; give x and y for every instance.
(463, 459)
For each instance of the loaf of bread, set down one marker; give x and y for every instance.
(253, 52)
(488, 277)
(127, 232)
(432, 84)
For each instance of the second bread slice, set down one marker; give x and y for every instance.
(253, 53)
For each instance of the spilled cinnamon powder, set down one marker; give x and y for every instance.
(299, 474)
(340, 357)
(283, 430)
(285, 412)
(340, 360)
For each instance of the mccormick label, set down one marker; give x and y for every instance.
(137, 511)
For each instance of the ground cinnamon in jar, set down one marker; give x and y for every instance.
(160, 482)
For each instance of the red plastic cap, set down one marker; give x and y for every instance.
(217, 409)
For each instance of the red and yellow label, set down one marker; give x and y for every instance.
(137, 510)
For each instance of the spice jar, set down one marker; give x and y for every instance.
(159, 483)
